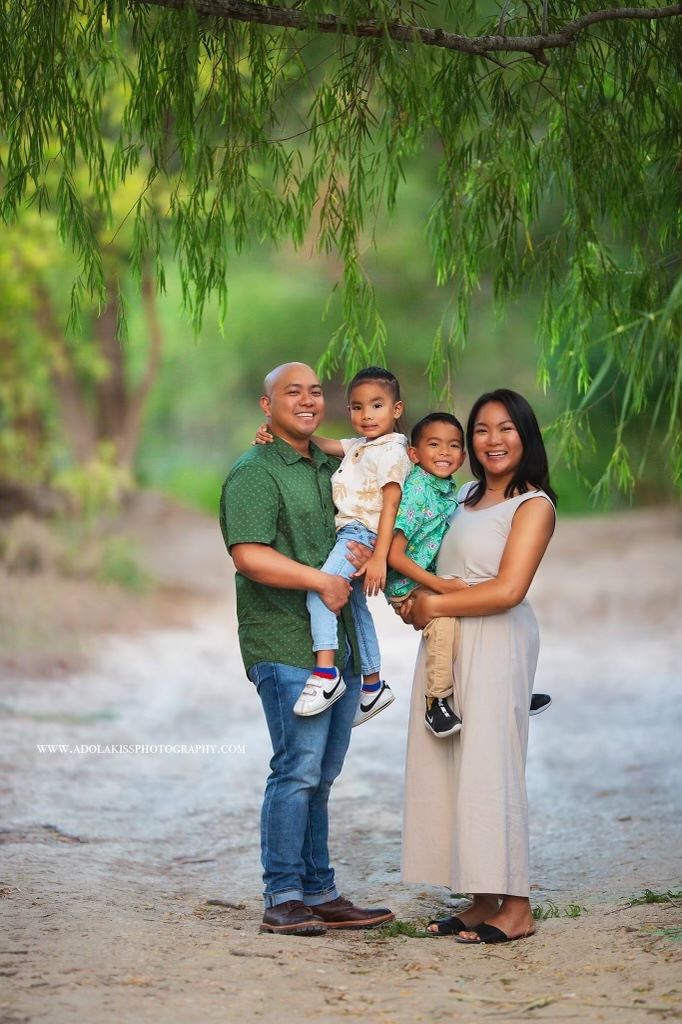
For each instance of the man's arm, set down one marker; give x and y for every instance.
(263, 564)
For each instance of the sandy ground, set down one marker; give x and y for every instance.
(108, 860)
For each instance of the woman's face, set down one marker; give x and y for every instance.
(496, 441)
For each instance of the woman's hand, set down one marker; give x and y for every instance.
(263, 435)
(375, 575)
(417, 609)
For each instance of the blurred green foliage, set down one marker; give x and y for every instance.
(543, 175)
(203, 411)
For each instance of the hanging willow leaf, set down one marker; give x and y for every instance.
(557, 129)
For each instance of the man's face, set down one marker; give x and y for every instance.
(295, 405)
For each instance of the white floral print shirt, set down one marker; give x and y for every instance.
(366, 468)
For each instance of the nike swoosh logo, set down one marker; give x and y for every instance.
(368, 707)
(328, 695)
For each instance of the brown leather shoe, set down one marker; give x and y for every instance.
(340, 913)
(292, 918)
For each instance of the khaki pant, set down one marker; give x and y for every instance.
(441, 640)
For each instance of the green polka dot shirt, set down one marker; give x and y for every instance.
(275, 496)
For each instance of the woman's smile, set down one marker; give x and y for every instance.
(496, 441)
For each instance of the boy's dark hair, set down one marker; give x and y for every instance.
(533, 469)
(434, 417)
(381, 376)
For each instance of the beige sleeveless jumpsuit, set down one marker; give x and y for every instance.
(465, 815)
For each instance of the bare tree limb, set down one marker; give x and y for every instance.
(285, 17)
(503, 18)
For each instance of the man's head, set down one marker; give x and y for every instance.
(293, 403)
(437, 444)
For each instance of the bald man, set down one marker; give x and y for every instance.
(277, 518)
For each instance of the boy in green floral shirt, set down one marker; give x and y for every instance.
(427, 505)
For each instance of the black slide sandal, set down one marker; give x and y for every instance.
(488, 933)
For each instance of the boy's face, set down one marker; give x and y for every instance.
(372, 410)
(440, 449)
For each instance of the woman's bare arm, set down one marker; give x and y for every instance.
(532, 527)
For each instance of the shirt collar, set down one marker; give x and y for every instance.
(385, 439)
(445, 486)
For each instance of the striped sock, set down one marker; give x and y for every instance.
(325, 673)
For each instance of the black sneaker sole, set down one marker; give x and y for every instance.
(538, 711)
(443, 735)
(367, 715)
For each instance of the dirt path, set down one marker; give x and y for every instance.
(108, 859)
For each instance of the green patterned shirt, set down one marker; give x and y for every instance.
(275, 496)
(426, 508)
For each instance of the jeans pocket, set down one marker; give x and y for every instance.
(254, 677)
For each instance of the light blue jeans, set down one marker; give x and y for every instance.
(323, 622)
(308, 755)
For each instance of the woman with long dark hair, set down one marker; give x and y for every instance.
(466, 821)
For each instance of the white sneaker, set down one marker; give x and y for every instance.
(372, 703)
(318, 694)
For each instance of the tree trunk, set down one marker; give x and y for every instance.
(77, 423)
(111, 392)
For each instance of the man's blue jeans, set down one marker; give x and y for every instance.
(323, 622)
(307, 756)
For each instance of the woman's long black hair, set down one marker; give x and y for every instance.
(533, 470)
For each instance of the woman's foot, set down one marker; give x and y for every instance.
(514, 917)
(482, 907)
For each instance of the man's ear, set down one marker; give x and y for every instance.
(412, 455)
(264, 402)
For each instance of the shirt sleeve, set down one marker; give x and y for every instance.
(407, 520)
(347, 443)
(249, 507)
(392, 465)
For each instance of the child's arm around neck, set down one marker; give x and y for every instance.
(328, 445)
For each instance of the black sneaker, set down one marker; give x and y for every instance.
(441, 719)
(539, 702)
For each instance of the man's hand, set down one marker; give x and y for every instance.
(358, 555)
(335, 592)
(375, 575)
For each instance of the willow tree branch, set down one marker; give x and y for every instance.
(285, 17)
